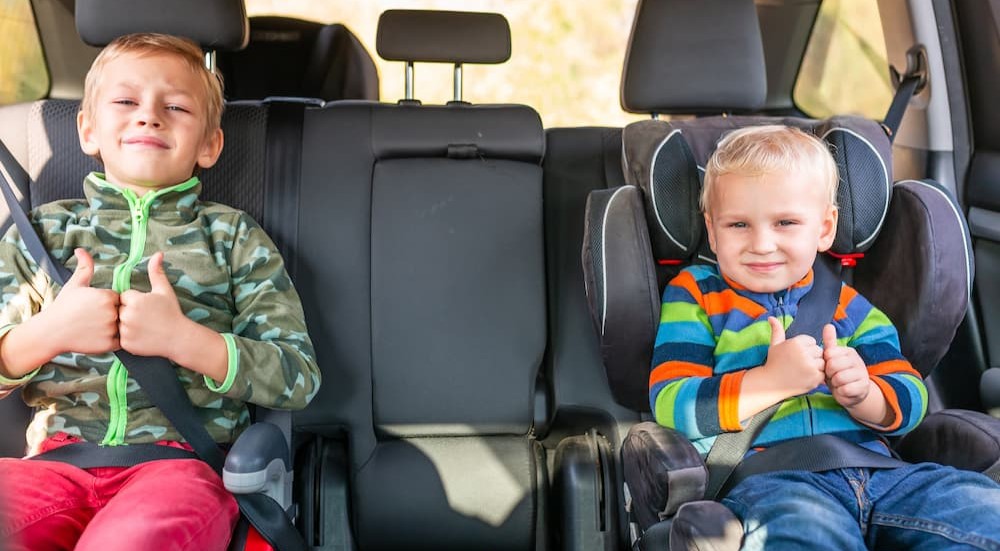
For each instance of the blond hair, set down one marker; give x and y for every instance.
(152, 44)
(759, 150)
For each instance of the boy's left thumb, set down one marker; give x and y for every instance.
(157, 276)
(829, 336)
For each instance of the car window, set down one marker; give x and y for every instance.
(566, 62)
(845, 68)
(23, 76)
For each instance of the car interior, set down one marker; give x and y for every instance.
(483, 290)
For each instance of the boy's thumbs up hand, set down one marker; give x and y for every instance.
(148, 322)
(846, 373)
(82, 319)
(795, 363)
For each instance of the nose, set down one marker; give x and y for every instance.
(762, 241)
(147, 116)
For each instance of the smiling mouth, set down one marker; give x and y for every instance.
(147, 141)
(763, 267)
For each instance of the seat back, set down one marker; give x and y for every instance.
(426, 278)
(288, 57)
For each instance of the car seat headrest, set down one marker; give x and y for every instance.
(443, 37)
(666, 160)
(298, 58)
(702, 57)
(217, 25)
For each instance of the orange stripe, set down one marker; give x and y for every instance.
(847, 294)
(685, 280)
(726, 301)
(676, 369)
(892, 367)
(729, 401)
(893, 401)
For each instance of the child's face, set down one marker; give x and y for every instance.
(766, 230)
(149, 123)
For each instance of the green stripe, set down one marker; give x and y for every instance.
(232, 368)
(682, 311)
(755, 334)
(875, 318)
(665, 404)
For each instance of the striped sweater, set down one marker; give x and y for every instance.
(712, 331)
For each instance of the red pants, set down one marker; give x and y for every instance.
(167, 504)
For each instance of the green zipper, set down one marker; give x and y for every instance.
(121, 281)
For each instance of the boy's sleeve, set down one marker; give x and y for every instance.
(24, 289)
(877, 342)
(271, 358)
(684, 393)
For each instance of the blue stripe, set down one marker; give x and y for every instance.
(686, 352)
(883, 333)
(691, 331)
(875, 353)
(734, 320)
(732, 361)
(706, 407)
(905, 400)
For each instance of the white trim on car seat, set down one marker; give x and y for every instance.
(652, 189)
(961, 225)
(604, 258)
(885, 177)
(625, 173)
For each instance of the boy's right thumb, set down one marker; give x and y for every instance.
(777, 331)
(84, 269)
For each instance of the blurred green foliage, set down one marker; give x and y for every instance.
(22, 67)
(845, 68)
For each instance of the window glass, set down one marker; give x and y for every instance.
(23, 76)
(565, 62)
(845, 68)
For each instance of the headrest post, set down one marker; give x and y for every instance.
(458, 82)
(210, 61)
(408, 94)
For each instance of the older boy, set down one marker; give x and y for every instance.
(157, 273)
(721, 356)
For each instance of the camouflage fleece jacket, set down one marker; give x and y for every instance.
(227, 275)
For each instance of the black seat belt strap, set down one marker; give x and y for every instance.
(815, 310)
(907, 84)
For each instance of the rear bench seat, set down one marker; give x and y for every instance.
(416, 241)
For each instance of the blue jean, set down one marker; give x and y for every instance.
(919, 507)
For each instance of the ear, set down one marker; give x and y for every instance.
(828, 229)
(85, 131)
(211, 148)
(711, 233)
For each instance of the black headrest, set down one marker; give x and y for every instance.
(666, 160)
(694, 57)
(213, 24)
(293, 57)
(443, 36)
(458, 131)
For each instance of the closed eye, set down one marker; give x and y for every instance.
(125, 101)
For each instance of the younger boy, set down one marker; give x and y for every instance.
(721, 356)
(156, 273)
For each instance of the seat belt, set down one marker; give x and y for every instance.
(815, 310)
(169, 395)
(907, 85)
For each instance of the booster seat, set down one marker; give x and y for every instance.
(904, 246)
